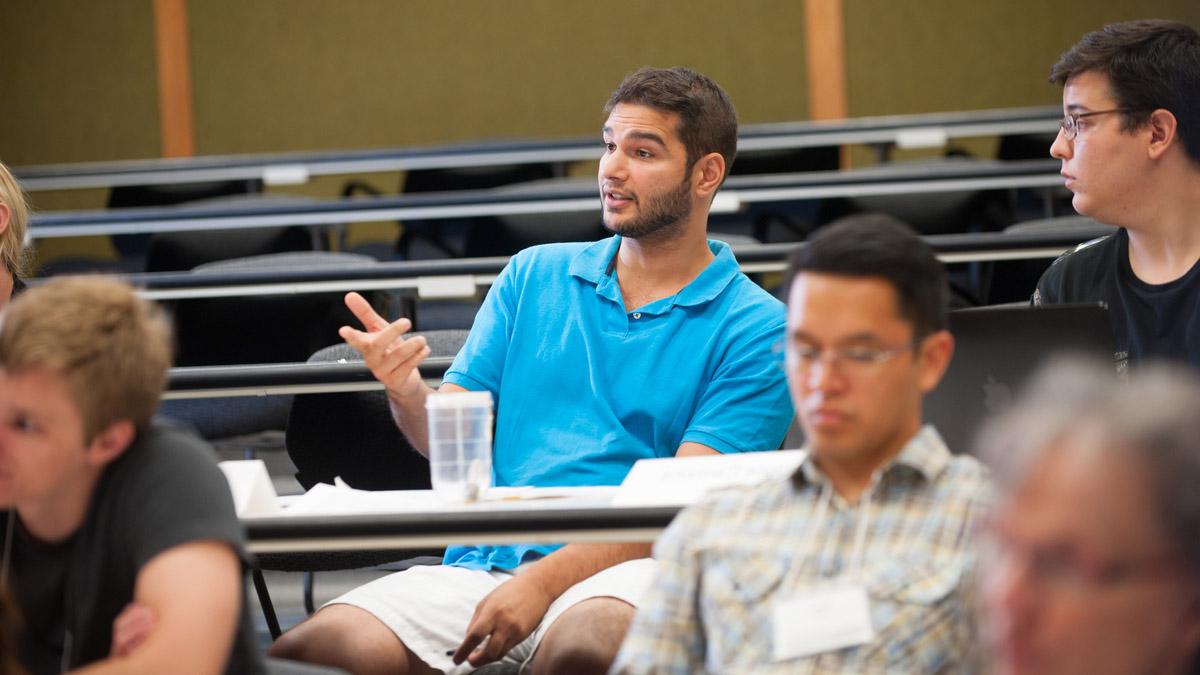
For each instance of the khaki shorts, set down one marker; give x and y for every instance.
(429, 608)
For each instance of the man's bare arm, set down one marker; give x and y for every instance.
(193, 592)
(689, 449)
(394, 361)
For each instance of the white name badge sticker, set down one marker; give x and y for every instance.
(821, 620)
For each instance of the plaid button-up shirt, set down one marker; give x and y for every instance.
(725, 561)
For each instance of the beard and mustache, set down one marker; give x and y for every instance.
(659, 217)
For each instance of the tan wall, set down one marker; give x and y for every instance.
(315, 74)
(77, 81)
(77, 78)
(914, 56)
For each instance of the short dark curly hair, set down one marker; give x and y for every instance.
(1150, 64)
(878, 245)
(707, 119)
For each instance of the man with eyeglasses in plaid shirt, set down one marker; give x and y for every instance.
(861, 560)
(1130, 151)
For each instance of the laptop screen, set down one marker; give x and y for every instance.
(996, 350)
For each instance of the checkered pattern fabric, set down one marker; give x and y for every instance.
(725, 561)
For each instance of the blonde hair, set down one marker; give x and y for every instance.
(112, 347)
(12, 239)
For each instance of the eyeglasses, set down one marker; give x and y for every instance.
(1054, 568)
(852, 360)
(1070, 122)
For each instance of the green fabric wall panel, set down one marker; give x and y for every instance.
(77, 81)
(913, 56)
(78, 78)
(311, 74)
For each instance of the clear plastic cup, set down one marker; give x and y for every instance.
(460, 444)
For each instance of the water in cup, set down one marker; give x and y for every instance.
(460, 444)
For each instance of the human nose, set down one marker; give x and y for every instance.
(822, 373)
(1061, 148)
(612, 165)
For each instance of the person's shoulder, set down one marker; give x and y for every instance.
(544, 261)
(166, 490)
(966, 477)
(967, 468)
(1076, 275)
(751, 310)
(752, 295)
(1085, 258)
(561, 252)
(169, 457)
(166, 439)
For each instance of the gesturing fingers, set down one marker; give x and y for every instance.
(399, 361)
(365, 313)
(374, 342)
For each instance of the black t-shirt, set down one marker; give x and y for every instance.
(1148, 320)
(164, 491)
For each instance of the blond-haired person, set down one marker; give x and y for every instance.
(14, 216)
(121, 546)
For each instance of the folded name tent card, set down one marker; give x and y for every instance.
(679, 481)
(253, 492)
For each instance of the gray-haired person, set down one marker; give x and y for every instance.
(1095, 560)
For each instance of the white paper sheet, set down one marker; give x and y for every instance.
(340, 499)
(679, 481)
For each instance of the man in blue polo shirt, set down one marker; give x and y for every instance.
(648, 344)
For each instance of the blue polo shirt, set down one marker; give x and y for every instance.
(585, 388)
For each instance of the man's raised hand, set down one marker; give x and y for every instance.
(392, 359)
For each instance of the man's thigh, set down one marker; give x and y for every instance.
(626, 582)
(428, 608)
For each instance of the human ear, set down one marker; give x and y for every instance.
(936, 350)
(708, 173)
(110, 443)
(1163, 132)
(5, 214)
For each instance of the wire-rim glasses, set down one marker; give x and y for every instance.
(1070, 122)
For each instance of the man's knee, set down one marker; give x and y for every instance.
(585, 639)
(346, 637)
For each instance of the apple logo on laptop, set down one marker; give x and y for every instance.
(997, 396)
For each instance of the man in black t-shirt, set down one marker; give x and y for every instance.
(121, 546)
(1130, 151)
